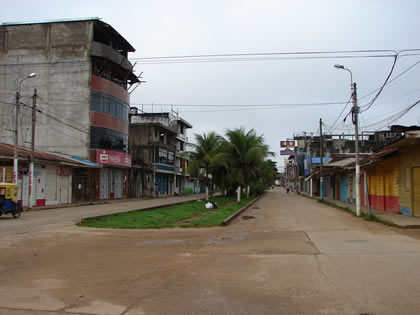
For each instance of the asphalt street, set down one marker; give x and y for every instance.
(286, 254)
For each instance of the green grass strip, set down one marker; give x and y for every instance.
(170, 216)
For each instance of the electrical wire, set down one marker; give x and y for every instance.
(341, 113)
(240, 105)
(390, 81)
(56, 119)
(382, 87)
(386, 121)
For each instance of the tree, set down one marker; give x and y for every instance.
(245, 151)
(203, 154)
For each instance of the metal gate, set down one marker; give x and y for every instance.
(343, 188)
(416, 191)
(104, 183)
(117, 183)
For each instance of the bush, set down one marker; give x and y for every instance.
(257, 189)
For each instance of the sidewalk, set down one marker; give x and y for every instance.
(60, 217)
(399, 220)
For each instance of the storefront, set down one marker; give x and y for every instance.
(111, 179)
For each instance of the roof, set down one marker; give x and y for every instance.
(381, 154)
(51, 21)
(7, 151)
(105, 26)
(316, 160)
(183, 121)
(341, 163)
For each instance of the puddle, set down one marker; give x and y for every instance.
(356, 241)
(255, 208)
(247, 217)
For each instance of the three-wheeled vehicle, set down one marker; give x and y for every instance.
(8, 200)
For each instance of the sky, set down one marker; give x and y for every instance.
(167, 28)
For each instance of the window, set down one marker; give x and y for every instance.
(108, 139)
(109, 105)
(171, 158)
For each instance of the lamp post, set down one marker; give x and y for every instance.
(15, 155)
(355, 111)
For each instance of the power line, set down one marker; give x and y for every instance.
(383, 85)
(240, 105)
(390, 81)
(56, 119)
(57, 130)
(341, 113)
(270, 56)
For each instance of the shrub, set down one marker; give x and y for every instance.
(257, 189)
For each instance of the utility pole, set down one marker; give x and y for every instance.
(321, 156)
(31, 165)
(15, 154)
(355, 119)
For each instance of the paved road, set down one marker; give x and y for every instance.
(287, 254)
(43, 220)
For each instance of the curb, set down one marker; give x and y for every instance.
(228, 220)
(143, 209)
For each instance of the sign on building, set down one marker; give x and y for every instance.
(106, 157)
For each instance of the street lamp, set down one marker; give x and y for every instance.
(355, 111)
(15, 155)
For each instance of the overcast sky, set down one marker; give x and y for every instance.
(178, 28)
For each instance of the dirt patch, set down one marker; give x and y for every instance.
(197, 216)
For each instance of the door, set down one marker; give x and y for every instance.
(63, 189)
(343, 188)
(416, 191)
(118, 183)
(387, 191)
(39, 179)
(104, 183)
(51, 185)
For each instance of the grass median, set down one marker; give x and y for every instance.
(189, 214)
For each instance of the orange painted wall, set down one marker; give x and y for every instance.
(384, 187)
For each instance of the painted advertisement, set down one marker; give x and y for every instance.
(106, 157)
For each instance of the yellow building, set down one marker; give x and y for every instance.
(408, 178)
(383, 184)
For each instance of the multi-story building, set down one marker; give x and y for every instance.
(156, 142)
(83, 79)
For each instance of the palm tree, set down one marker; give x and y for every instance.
(245, 152)
(203, 154)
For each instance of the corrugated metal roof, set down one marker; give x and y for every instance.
(7, 150)
(341, 163)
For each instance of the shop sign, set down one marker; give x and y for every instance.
(106, 157)
(287, 152)
(287, 144)
(64, 170)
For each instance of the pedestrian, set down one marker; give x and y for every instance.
(287, 188)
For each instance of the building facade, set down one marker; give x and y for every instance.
(83, 78)
(157, 142)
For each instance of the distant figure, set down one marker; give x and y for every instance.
(287, 188)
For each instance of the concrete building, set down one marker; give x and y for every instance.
(83, 79)
(156, 142)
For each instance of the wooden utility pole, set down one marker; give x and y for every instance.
(31, 165)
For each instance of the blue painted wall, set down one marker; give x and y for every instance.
(343, 188)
